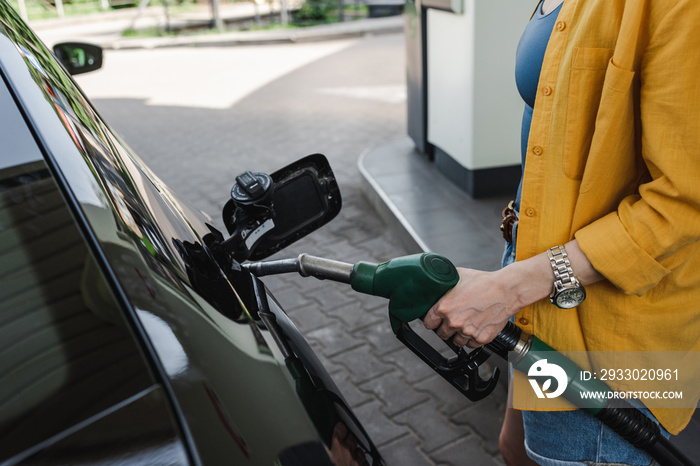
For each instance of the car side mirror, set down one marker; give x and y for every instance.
(269, 212)
(78, 57)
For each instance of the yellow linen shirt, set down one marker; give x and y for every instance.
(614, 161)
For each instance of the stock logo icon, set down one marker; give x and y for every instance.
(542, 369)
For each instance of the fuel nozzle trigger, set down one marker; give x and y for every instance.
(461, 370)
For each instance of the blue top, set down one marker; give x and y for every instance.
(528, 64)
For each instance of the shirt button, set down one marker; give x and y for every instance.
(546, 90)
(530, 212)
(537, 150)
(561, 25)
(524, 321)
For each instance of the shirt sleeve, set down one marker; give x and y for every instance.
(629, 246)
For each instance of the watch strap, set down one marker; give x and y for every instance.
(563, 274)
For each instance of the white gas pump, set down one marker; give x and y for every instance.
(472, 111)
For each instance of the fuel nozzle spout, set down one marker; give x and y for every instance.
(306, 266)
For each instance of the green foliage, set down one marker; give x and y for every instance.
(46, 9)
(312, 10)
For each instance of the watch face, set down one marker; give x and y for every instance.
(570, 298)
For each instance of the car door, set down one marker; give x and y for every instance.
(75, 386)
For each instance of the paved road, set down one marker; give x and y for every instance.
(200, 116)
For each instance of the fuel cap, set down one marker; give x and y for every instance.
(251, 188)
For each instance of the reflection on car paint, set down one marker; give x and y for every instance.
(119, 183)
(168, 347)
(226, 420)
(67, 356)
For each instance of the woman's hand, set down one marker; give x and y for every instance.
(475, 310)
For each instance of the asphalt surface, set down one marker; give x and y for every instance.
(200, 116)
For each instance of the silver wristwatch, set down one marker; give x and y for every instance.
(568, 291)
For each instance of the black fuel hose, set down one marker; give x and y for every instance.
(642, 432)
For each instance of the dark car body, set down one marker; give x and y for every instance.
(122, 341)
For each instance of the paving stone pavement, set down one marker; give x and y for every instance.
(413, 416)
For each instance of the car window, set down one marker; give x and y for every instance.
(18, 145)
(68, 359)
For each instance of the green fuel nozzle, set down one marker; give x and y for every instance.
(411, 283)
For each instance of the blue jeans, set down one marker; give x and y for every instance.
(568, 438)
(573, 438)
